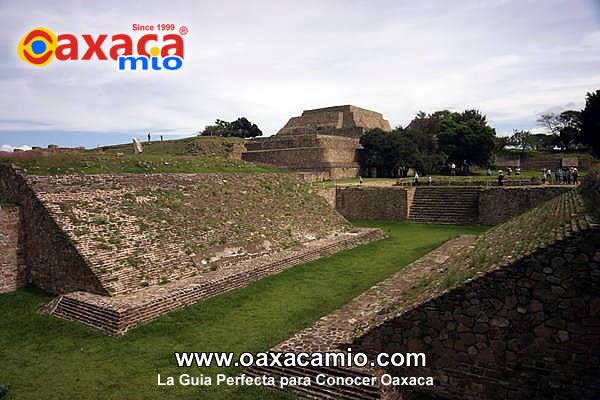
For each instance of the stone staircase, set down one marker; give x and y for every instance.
(445, 205)
(314, 391)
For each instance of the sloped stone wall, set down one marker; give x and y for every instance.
(528, 330)
(13, 274)
(53, 263)
(498, 205)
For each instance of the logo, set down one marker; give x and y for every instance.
(40, 46)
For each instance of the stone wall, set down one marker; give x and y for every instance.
(13, 274)
(53, 263)
(344, 120)
(327, 157)
(372, 203)
(116, 315)
(526, 330)
(497, 205)
(494, 205)
(114, 234)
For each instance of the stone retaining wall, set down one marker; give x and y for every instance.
(527, 330)
(497, 205)
(53, 263)
(116, 315)
(13, 274)
(372, 203)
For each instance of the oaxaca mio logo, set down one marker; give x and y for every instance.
(40, 46)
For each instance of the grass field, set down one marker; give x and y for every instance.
(113, 163)
(46, 358)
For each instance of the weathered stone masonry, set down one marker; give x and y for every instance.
(443, 204)
(53, 263)
(528, 330)
(497, 205)
(13, 274)
(372, 203)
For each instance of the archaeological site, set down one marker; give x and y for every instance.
(123, 243)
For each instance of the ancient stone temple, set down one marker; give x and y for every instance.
(322, 142)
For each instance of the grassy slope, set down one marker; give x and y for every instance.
(43, 357)
(500, 245)
(111, 163)
(191, 145)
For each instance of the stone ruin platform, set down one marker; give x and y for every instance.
(120, 250)
(117, 314)
(322, 142)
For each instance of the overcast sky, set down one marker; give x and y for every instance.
(270, 60)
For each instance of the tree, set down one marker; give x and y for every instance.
(521, 139)
(241, 127)
(566, 128)
(467, 136)
(590, 122)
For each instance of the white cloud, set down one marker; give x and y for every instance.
(268, 61)
(10, 149)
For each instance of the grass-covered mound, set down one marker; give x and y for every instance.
(94, 162)
(205, 146)
(500, 245)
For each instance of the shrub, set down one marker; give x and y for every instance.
(590, 191)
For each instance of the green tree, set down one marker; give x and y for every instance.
(241, 127)
(521, 139)
(566, 128)
(590, 122)
(467, 136)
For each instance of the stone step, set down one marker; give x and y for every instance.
(317, 391)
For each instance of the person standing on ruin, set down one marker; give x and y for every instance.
(500, 178)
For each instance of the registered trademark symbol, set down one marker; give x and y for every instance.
(183, 30)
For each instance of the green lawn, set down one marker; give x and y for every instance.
(42, 357)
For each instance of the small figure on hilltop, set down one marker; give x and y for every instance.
(149, 136)
(500, 178)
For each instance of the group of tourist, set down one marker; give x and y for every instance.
(564, 176)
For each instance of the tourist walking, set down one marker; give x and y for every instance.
(575, 176)
(565, 174)
(452, 169)
(416, 178)
(429, 180)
